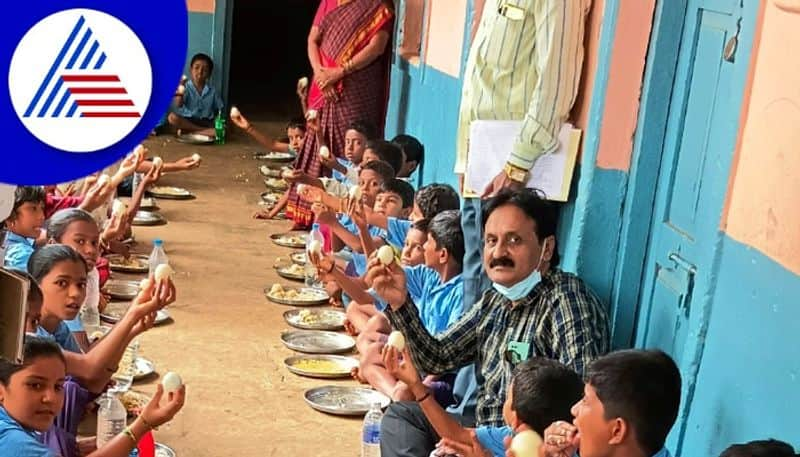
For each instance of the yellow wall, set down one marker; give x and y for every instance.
(763, 208)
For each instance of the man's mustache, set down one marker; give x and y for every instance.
(501, 262)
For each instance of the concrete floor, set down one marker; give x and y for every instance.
(224, 340)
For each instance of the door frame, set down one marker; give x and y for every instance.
(651, 131)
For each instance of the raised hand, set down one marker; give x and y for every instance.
(560, 440)
(156, 414)
(239, 120)
(388, 281)
(473, 449)
(400, 365)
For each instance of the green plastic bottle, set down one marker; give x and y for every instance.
(219, 128)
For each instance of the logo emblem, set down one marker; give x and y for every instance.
(80, 80)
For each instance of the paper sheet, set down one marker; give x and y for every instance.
(489, 146)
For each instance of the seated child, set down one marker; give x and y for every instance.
(540, 392)
(78, 229)
(24, 226)
(413, 152)
(436, 288)
(428, 202)
(33, 394)
(356, 136)
(61, 275)
(197, 103)
(630, 403)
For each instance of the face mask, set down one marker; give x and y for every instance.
(524, 287)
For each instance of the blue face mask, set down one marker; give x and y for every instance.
(524, 287)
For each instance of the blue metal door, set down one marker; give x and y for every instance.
(692, 182)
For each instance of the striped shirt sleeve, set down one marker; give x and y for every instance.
(558, 60)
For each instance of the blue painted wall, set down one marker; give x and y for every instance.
(748, 386)
(207, 35)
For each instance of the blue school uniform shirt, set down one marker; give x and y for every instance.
(439, 304)
(339, 176)
(18, 251)
(491, 438)
(397, 231)
(19, 441)
(62, 336)
(200, 105)
(359, 261)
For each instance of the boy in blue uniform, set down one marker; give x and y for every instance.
(197, 102)
(541, 392)
(24, 225)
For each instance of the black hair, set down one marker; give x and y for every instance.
(27, 194)
(643, 387)
(205, 57)
(383, 169)
(387, 152)
(435, 198)
(46, 257)
(413, 149)
(62, 219)
(35, 348)
(544, 391)
(401, 188)
(445, 229)
(365, 128)
(535, 206)
(760, 448)
(296, 123)
(421, 225)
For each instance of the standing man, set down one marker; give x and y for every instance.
(524, 64)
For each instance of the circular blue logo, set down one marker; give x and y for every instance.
(87, 82)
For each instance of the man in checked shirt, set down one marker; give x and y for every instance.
(532, 309)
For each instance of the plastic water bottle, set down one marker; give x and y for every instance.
(219, 128)
(158, 256)
(371, 432)
(312, 277)
(110, 418)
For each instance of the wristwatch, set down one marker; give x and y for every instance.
(515, 173)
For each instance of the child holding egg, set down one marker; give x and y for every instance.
(30, 407)
(61, 275)
(196, 102)
(541, 392)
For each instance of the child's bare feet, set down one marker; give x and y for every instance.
(401, 392)
(356, 374)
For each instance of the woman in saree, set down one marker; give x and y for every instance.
(348, 48)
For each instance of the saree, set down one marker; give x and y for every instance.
(346, 27)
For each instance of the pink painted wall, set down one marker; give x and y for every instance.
(591, 44)
(445, 35)
(634, 22)
(763, 207)
(200, 6)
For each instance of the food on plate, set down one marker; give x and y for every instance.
(171, 382)
(276, 183)
(134, 402)
(397, 340)
(166, 190)
(130, 262)
(294, 239)
(385, 254)
(321, 366)
(294, 270)
(308, 317)
(277, 291)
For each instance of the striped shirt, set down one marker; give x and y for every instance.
(560, 319)
(524, 64)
